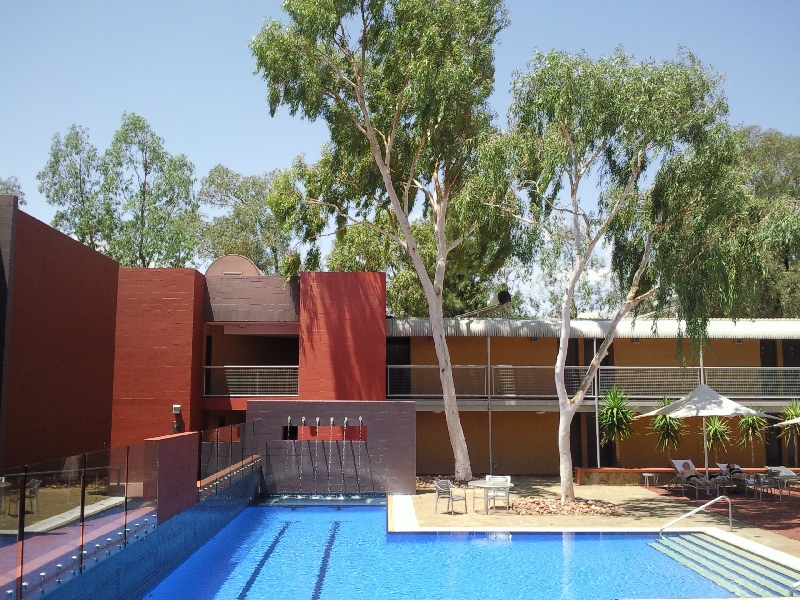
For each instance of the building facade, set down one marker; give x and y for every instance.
(114, 356)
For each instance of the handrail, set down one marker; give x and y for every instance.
(697, 510)
(793, 588)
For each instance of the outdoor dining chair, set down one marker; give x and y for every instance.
(31, 495)
(444, 489)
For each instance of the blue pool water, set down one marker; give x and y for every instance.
(323, 553)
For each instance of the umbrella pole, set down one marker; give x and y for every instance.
(705, 446)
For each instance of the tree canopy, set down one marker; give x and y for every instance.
(403, 86)
(12, 186)
(248, 227)
(671, 202)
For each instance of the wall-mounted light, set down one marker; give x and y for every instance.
(636, 340)
(176, 409)
(737, 340)
(535, 339)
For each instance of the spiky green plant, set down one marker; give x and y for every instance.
(718, 434)
(791, 432)
(615, 418)
(669, 430)
(751, 432)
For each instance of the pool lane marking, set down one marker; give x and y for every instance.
(323, 567)
(262, 562)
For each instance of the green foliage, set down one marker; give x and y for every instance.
(669, 429)
(792, 432)
(615, 417)
(772, 168)
(72, 180)
(157, 217)
(249, 227)
(473, 273)
(136, 203)
(404, 96)
(671, 204)
(751, 432)
(718, 433)
(12, 186)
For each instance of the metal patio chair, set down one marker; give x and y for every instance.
(444, 489)
(31, 495)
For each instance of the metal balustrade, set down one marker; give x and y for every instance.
(423, 380)
(516, 381)
(650, 382)
(754, 382)
(250, 381)
(534, 382)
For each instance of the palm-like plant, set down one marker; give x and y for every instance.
(718, 433)
(669, 430)
(791, 432)
(751, 431)
(615, 418)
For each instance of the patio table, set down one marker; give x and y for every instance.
(486, 486)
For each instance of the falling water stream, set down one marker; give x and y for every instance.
(342, 453)
(360, 443)
(315, 463)
(330, 455)
(303, 419)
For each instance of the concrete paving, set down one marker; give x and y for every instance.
(647, 511)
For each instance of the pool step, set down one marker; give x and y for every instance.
(740, 572)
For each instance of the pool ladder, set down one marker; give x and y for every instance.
(698, 509)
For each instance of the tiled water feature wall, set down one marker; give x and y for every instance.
(376, 454)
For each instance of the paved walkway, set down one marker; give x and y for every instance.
(648, 510)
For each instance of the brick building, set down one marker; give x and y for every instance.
(94, 355)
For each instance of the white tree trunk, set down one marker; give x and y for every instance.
(463, 468)
(565, 455)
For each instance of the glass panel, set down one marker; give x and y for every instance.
(9, 487)
(141, 492)
(209, 461)
(51, 503)
(104, 513)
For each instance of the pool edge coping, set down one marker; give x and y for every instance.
(401, 518)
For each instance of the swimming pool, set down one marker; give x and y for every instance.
(345, 552)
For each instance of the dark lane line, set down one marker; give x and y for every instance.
(263, 560)
(323, 567)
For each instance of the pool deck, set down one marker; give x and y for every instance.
(648, 510)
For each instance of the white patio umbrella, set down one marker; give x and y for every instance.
(705, 402)
(789, 422)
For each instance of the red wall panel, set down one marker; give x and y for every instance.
(342, 336)
(159, 348)
(60, 348)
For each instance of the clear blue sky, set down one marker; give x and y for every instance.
(185, 66)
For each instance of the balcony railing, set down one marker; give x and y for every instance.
(250, 381)
(514, 381)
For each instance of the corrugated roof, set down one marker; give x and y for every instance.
(776, 329)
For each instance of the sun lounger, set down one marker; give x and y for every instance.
(689, 482)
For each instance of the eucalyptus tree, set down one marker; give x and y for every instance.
(156, 216)
(248, 226)
(670, 203)
(403, 86)
(11, 186)
(72, 180)
(474, 271)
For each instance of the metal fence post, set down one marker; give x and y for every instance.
(83, 510)
(21, 529)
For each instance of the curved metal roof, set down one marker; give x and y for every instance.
(788, 329)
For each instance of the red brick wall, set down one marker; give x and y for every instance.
(342, 336)
(61, 347)
(159, 352)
